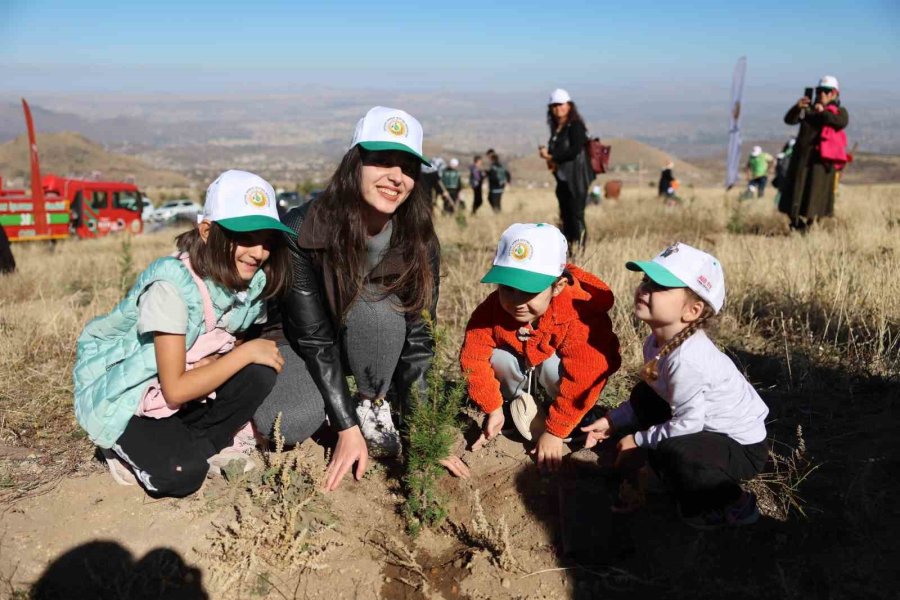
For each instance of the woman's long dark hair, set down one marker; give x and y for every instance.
(574, 117)
(341, 207)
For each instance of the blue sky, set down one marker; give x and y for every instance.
(270, 47)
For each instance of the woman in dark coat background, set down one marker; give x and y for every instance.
(809, 187)
(565, 155)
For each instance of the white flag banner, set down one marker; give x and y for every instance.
(734, 131)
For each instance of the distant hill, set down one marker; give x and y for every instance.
(72, 155)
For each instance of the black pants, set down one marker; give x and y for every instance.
(451, 204)
(571, 213)
(169, 455)
(704, 469)
(494, 197)
(477, 199)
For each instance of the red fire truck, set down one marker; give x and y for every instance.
(58, 207)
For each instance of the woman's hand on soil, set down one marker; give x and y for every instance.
(597, 431)
(351, 448)
(456, 466)
(492, 425)
(262, 352)
(549, 451)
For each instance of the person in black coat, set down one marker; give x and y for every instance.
(566, 157)
(7, 262)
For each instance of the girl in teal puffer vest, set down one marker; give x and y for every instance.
(161, 384)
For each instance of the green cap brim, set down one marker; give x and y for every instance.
(255, 223)
(527, 281)
(656, 272)
(381, 146)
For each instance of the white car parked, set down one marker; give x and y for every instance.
(174, 208)
(147, 210)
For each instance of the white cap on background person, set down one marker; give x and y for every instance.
(756, 151)
(241, 201)
(389, 129)
(681, 265)
(530, 257)
(559, 96)
(454, 162)
(829, 81)
(791, 142)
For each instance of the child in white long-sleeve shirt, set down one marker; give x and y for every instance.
(700, 421)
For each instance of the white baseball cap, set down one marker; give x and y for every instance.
(829, 81)
(242, 201)
(756, 151)
(389, 129)
(530, 257)
(454, 162)
(681, 265)
(559, 96)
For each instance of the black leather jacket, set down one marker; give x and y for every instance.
(312, 329)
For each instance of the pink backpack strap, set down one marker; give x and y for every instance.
(209, 315)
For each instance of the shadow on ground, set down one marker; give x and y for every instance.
(842, 548)
(105, 570)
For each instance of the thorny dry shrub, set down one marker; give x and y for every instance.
(278, 526)
(778, 488)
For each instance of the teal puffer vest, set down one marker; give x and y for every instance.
(114, 362)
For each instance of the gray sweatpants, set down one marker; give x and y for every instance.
(375, 332)
(509, 368)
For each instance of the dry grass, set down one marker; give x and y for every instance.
(829, 296)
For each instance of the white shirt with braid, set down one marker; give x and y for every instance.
(706, 392)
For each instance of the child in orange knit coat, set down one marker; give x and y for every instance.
(547, 319)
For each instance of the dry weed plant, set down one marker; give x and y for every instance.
(279, 526)
(493, 538)
(777, 489)
(399, 554)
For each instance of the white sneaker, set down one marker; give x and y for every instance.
(219, 462)
(382, 438)
(120, 472)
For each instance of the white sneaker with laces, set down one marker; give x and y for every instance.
(382, 438)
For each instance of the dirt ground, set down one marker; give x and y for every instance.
(88, 537)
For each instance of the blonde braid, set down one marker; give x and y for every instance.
(650, 371)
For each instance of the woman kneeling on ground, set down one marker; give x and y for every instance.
(365, 266)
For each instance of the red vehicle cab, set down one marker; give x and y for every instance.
(58, 207)
(97, 207)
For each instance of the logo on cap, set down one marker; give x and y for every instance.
(396, 126)
(706, 283)
(521, 250)
(670, 250)
(256, 196)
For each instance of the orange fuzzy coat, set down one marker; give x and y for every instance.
(576, 327)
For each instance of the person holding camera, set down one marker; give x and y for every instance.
(808, 190)
(566, 157)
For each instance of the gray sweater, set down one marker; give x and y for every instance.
(706, 392)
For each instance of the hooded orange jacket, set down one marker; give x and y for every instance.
(576, 327)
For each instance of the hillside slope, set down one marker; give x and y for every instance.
(73, 155)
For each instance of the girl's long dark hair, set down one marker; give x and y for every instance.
(340, 207)
(574, 117)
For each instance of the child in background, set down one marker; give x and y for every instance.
(477, 175)
(452, 182)
(498, 177)
(695, 417)
(161, 382)
(547, 320)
